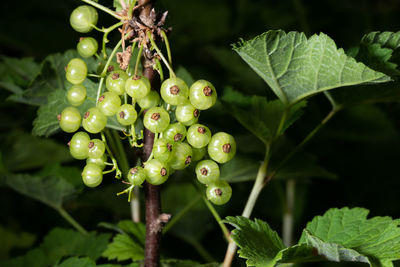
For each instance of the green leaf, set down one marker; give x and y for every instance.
(185, 75)
(259, 116)
(117, 4)
(296, 67)
(137, 231)
(77, 262)
(12, 239)
(123, 248)
(185, 263)
(239, 169)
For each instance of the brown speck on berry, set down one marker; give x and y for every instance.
(178, 137)
(101, 98)
(122, 114)
(203, 171)
(201, 130)
(207, 91)
(69, 143)
(133, 170)
(163, 171)
(196, 113)
(115, 76)
(81, 39)
(155, 116)
(91, 144)
(174, 90)
(136, 78)
(188, 160)
(87, 113)
(110, 68)
(59, 117)
(226, 148)
(169, 147)
(218, 192)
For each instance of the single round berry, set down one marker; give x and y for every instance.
(162, 149)
(187, 114)
(152, 99)
(76, 95)
(181, 156)
(70, 119)
(219, 192)
(198, 153)
(176, 132)
(198, 135)
(79, 145)
(87, 47)
(96, 148)
(156, 119)
(174, 91)
(207, 172)
(101, 162)
(94, 121)
(157, 171)
(83, 18)
(137, 87)
(109, 103)
(115, 81)
(126, 114)
(76, 71)
(202, 94)
(136, 176)
(92, 175)
(222, 147)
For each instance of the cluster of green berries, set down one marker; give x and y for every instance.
(177, 143)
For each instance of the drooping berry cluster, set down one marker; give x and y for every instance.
(179, 140)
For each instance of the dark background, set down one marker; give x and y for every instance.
(361, 145)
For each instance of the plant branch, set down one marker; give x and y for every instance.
(171, 71)
(218, 219)
(71, 220)
(105, 9)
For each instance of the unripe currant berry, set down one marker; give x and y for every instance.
(174, 91)
(76, 95)
(219, 192)
(207, 172)
(92, 175)
(83, 18)
(70, 119)
(136, 176)
(101, 162)
(94, 121)
(187, 114)
(202, 94)
(176, 132)
(76, 71)
(79, 145)
(126, 114)
(137, 87)
(87, 47)
(109, 103)
(156, 119)
(162, 149)
(181, 156)
(222, 147)
(152, 99)
(198, 135)
(157, 172)
(198, 153)
(115, 81)
(96, 148)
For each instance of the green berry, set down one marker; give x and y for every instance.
(162, 149)
(115, 81)
(157, 172)
(83, 18)
(79, 145)
(156, 119)
(76, 95)
(152, 99)
(109, 103)
(207, 172)
(94, 121)
(137, 87)
(70, 119)
(198, 153)
(198, 135)
(222, 147)
(202, 95)
(76, 71)
(181, 156)
(92, 175)
(126, 114)
(87, 47)
(219, 192)
(101, 162)
(96, 148)
(136, 176)
(187, 114)
(176, 132)
(174, 91)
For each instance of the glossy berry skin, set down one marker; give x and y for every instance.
(83, 18)
(157, 171)
(92, 175)
(96, 148)
(174, 91)
(76, 95)
(70, 119)
(79, 145)
(222, 147)
(137, 87)
(115, 81)
(109, 103)
(162, 149)
(76, 71)
(156, 119)
(126, 114)
(207, 172)
(202, 95)
(176, 132)
(101, 162)
(181, 156)
(219, 192)
(198, 135)
(152, 99)
(137, 175)
(187, 114)
(198, 153)
(87, 47)
(94, 121)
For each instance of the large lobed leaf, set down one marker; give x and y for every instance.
(296, 67)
